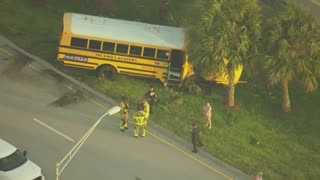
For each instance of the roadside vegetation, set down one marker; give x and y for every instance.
(289, 143)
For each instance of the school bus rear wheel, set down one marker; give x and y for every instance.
(106, 72)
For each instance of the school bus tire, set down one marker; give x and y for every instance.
(106, 72)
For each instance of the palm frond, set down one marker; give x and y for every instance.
(310, 84)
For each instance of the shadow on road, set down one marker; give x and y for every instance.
(70, 98)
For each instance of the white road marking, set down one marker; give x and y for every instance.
(54, 130)
(316, 2)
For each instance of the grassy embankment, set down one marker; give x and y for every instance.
(289, 144)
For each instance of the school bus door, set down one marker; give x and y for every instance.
(176, 67)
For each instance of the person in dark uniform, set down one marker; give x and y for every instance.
(195, 135)
(140, 104)
(151, 97)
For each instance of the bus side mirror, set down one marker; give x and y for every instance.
(25, 153)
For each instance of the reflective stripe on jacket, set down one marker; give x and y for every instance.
(139, 119)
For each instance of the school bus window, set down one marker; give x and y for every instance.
(149, 52)
(95, 44)
(79, 42)
(122, 48)
(163, 54)
(135, 50)
(108, 46)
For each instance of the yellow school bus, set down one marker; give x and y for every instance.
(112, 46)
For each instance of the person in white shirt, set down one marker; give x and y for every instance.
(207, 114)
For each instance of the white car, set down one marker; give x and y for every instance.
(15, 166)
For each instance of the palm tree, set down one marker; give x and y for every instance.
(228, 29)
(292, 46)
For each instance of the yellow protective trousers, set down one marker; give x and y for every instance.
(137, 130)
(124, 121)
(139, 123)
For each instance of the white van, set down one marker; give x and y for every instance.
(15, 166)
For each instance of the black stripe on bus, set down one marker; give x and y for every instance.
(108, 52)
(79, 66)
(113, 61)
(64, 59)
(121, 67)
(136, 74)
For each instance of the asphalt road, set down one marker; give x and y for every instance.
(26, 97)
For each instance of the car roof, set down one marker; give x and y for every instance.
(6, 148)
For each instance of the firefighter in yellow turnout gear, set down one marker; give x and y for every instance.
(139, 123)
(124, 114)
(146, 109)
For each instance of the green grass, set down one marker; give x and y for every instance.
(289, 144)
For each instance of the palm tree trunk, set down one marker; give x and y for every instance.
(286, 106)
(231, 89)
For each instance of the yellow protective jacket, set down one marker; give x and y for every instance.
(139, 118)
(146, 107)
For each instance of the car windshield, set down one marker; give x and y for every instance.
(12, 161)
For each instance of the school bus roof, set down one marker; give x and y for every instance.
(126, 31)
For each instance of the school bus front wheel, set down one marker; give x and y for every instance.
(106, 72)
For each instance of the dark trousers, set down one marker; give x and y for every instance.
(195, 143)
(151, 103)
(194, 147)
